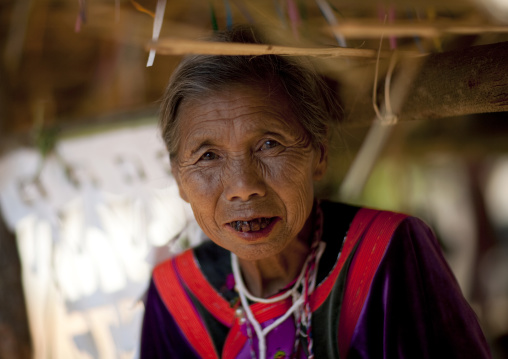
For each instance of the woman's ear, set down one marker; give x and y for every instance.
(176, 175)
(321, 163)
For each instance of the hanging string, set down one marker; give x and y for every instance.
(294, 16)
(376, 138)
(141, 8)
(384, 13)
(229, 15)
(280, 12)
(376, 72)
(157, 25)
(213, 17)
(81, 19)
(391, 19)
(327, 12)
(388, 117)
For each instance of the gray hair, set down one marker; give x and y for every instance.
(196, 76)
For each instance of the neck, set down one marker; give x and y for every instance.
(268, 276)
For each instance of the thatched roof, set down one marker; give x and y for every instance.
(67, 64)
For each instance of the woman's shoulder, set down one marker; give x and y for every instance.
(344, 223)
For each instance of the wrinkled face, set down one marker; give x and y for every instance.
(247, 168)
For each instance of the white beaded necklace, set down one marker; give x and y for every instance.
(300, 298)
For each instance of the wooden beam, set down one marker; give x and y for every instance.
(469, 81)
(457, 83)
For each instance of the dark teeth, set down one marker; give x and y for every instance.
(254, 225)
(245, 226)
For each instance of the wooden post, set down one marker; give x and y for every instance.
(15, 342)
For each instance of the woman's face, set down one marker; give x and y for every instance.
(247, 168)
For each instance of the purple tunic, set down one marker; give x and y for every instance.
(414, 308)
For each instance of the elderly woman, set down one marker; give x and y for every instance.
(285, 275)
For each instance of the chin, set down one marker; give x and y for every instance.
(258, 251)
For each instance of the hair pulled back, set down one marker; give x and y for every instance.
(198, 76)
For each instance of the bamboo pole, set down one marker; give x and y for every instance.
(365, 29)
(176, 46)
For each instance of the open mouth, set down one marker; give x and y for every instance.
(253, 225)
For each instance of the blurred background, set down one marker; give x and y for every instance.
(87, 202)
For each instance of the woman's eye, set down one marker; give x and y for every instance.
(208, 156)
(269, 144)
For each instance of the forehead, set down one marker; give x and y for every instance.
(251, 109)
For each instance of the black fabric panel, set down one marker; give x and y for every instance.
(337, 218)
(215, 264)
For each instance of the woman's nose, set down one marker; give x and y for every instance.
(243, 181)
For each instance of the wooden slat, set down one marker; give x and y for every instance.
(366, 29)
